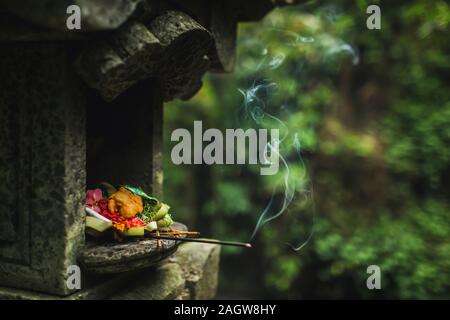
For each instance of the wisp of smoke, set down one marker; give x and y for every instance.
(255, 107)
(343, 47)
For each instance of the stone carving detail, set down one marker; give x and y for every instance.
(186, 43)
(113, 66)
(172, 47)
(175, 41)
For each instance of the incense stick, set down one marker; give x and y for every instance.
(223, 243)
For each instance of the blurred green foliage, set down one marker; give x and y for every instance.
(371, 109)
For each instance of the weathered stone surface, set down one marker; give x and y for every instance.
(190, 273)
(95, 14)
(124, 257)
(200, 265)
(186, 44)
(132, 254)
(172, 48)
(115, 65)
(102, 289)
(184, 295)
(42, 160)
(161, 283)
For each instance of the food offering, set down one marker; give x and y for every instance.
(127, 212)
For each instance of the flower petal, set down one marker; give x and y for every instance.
(98, 194)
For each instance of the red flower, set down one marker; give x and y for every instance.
(121, 223)
(103, 204)
(93, 198)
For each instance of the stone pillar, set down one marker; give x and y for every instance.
(42, 166)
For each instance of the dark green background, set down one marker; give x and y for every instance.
(375, 140)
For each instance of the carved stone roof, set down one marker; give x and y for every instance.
(174, 40)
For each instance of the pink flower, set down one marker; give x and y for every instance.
(93, 198)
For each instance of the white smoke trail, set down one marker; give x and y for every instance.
(255, 104)
(254, 107)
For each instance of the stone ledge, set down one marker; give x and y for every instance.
(111, 257)
(191, 273)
